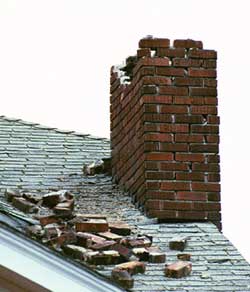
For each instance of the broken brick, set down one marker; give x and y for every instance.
(90, 225)
(120, 228)
(156, 255)
(140, 241)
(32, 198)
(64, 208)
(52, 199)
(94, 168)
(11, 194)
(141, 252)
(133, 267)
(184, 256)
(122, 278)
(68, 237)
(178, 243)
(35, 231)
(24, 205)
(106, 245)
(178, 269)
(87, 239)
(107, 257)
(110, 236)
(45, 220)
(75, 251)
(125, 252)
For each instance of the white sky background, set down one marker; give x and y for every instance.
(55, 58)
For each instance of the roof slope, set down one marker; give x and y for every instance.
(36, 159)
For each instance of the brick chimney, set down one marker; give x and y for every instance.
(165, 130)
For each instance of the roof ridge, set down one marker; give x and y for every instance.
(40, 126)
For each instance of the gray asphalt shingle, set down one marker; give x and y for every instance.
(38, 159)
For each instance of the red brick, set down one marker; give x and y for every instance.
(120, 228)
(87, 239)
(182, 100)
(209, 63)
(124, 252)
(204, 148)
(159, 137)
(162, 214)
(185, 81)
(210, 82)
(195, 215)
(151, 165)
(213, 177)
(194, 176)
(165, 52)
(178, 243)
(174, 166)
(156, 80)
(184, 256)
(202, 91)
(48, 219)
(213, 196)
(213, 167)
(149, 89)
(150, 108)
(194, 72)
(189, 157)
(105, 245)
(159, 156)
(175, 186)
(207, 206)
(189, 138)
(203, 109)
(161, 195)
(157, 257)
(194, 119)
(143, 53)
(154, 43)
(173, 90)
(209, 187)
(160, 118)
(179, 62)
(206, 129)
(213, 158)
(110, 236)
(24, 205)
(157, 99)
(191, 196)
(169, 71)
(178, 270)
(145, 71)
(122, 278)
(133, 267)
(174, 109)
(148, 61)
(213, 120)
(159, 175)
(188, 43)
(90, 225)
(174, 147)
(203, 54)
(174, 128)
(213, 139)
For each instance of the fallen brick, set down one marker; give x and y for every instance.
(52, 199)
(106, 245)
(178, 243)
(68, 237)
(133, 267)
(90, 225)
(120, 228)
(65, 208)
(178, 269)
(35, 231)
(75, 251)
(91, 216)
(33, 198)
(156, 255)
(140, 241)
(125, 252)
(94, 168)
(45, 220)
(184, 256)
(87, 239)
(122, 278)
(141, 252)
(24, 205)
(51, 231)
(110, 236)
(11, 194)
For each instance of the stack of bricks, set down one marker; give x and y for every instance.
(165, 130)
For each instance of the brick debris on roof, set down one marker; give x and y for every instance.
(38, 159)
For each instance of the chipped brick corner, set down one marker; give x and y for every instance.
(165, 130)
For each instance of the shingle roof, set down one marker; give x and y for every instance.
(36, 158)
